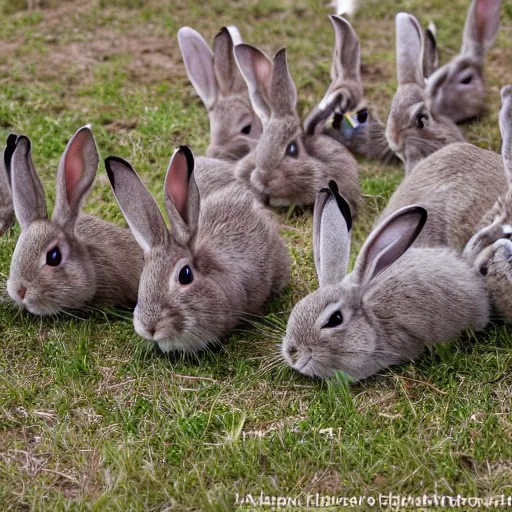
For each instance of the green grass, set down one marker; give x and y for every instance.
(91, 417)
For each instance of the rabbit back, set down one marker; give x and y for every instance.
(457, 185)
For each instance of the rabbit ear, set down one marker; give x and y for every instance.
(137, 204)
(27, 189)
(256, 69)
(8, 152)
(75, 177)
(506, 129)
(332, 222)
(182, 195)
(228, 75)
(346, 59)
(198, 59)
(481, 27)
(283, 93)
(409, 50)
(389, 241)
(430, 53)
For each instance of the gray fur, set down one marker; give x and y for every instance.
(231, 243)
(220, 85)
(101, 262)
(414, 130)
(446, 90)
(393, 306)
(331, 239)
(490, 249)
(277, 178)
(345, 92)
(457, 185)
(6, 206)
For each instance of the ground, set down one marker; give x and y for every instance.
(91, 417)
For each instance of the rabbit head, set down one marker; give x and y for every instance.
(457, 89)
(6, 206)
(234, 127)
(414, 130)
(289, 166)
(345, 93)
(50, 268)
(375, 316)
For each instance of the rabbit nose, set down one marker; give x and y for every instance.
(22, 292)
(152, 332)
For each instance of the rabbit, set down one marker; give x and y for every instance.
(457, 89)
(288, 166)
(73, 260)
(6, 206)
(223, 259)
(396, 301)
(457, 184)
(414, 130)
(234, 127)
(351, 121)
(490, 248)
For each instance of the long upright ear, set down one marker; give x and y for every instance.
(506, 129)
(228, 75)
(346, 59)
(481, 27)
(332, 222)
(409, 50)
(27, 189)
(430, 53)
(283, 93)
(198, 59)
(182, 195)
(75, 176)
(256, 69)
(137, 204)
(389, 241)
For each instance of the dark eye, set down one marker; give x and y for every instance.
(337, 120)
(420, 121)
(484, 269)
(54, 257)
(246, 129)
(467, 80)
(362, 116)
(185, 276)
(335, 320)
(292, 149)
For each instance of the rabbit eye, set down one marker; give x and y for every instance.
(185, 276)
(362, 116)
(54, 257)
(420, 120)
(246, 129)
(467, 80)
(484, 269)
(335, 319)
(292, 149)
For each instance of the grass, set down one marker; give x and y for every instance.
(92, 418)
